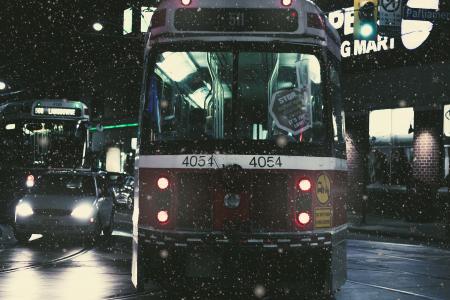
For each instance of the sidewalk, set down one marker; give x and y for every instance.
(383, 226)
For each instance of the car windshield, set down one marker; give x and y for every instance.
(235, 95)
(64, 184)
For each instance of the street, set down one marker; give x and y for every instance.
(51, 269)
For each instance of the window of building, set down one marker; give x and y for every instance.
(391, 145)
(446, 131)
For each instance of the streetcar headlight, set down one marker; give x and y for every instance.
(83, 211)
(304, 185)
(186, 2)
(303, 218)
(163, 216)
(24, 209)
(163, 183)
(232, 201)
(286, 2)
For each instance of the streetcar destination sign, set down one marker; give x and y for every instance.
(56, 111)
(236, 19)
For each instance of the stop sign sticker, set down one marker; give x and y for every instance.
(291, 110)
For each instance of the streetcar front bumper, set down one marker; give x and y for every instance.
(262, 241)
(218, 255)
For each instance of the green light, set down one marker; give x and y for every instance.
(116, 126)
(367, 30)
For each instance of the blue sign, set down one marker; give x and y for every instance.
(421, 14)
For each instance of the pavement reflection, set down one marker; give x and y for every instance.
(67, 269)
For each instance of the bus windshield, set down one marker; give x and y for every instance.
(42, 143)
(261, 96)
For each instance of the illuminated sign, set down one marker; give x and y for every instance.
(345, 19)
(56, 111)
(413, 17)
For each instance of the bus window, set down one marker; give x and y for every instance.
(236, 95)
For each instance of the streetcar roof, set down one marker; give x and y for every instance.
(302, 22)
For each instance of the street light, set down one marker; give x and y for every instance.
(2, 86)
(97, 26)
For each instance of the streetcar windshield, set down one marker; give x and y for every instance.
(234, 95)
(42, 143)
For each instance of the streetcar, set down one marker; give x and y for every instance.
(38, 134)
(241, 165)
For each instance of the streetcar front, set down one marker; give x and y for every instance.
(241, 154)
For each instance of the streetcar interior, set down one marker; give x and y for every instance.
(235, 95)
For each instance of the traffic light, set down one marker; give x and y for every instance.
(366, 17)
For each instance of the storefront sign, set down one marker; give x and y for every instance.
(412, 18)
(344, 19)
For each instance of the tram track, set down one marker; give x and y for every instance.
(133, 295)
(48, 262)
(403, 292)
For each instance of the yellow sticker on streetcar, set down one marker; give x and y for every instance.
(322, 217)
(323, 189)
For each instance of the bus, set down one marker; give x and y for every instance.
(241, 163)
(37, 135)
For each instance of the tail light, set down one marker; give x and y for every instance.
(30, 181)
(163, 183)
(163, 216)
(304, 185)
(303, 218)
(186, 2)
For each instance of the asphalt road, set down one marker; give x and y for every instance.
(49, 269)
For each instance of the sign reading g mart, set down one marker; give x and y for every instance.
(344, 20)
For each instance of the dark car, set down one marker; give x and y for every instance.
(122, 188)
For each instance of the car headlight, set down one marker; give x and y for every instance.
(24, 209)
(83, 211)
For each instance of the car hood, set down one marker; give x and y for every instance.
(56, 201)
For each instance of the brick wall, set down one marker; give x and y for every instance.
(357, 149)
(427, 146)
